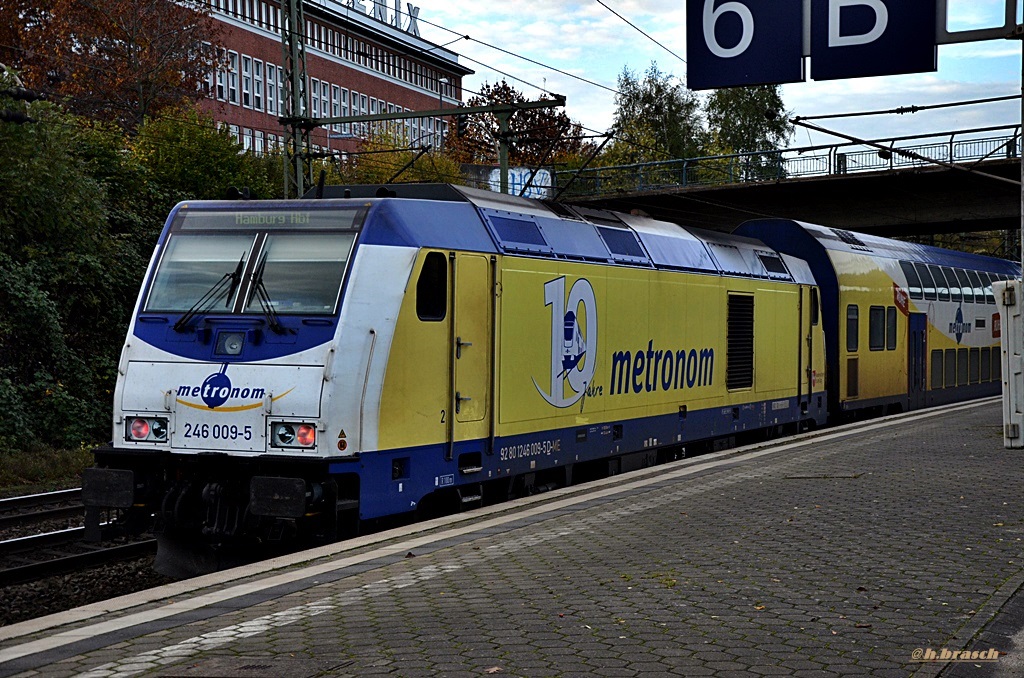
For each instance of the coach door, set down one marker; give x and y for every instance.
(917, 360)
(471, 345)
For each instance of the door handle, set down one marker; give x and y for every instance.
(459, 343)
(459, 398)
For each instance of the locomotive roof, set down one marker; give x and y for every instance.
(559, 231)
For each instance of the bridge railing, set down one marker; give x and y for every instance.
(809, 161)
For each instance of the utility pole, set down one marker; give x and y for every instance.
(297, 166)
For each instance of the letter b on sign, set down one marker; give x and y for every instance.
(858, 38)
(731, 43)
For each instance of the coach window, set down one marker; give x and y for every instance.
(987, 279)
(890, 328)
(937, 368)
(979, 290)
(965, 285)
(941, 287)
(955, 293)
(913, 280)
(949, 359)
(432, 288)
(926, 281)
(876, 328)
(852, 327)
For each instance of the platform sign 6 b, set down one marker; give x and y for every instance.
(753, 42)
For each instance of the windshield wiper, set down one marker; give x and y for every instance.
(228, 282)
(260, 291)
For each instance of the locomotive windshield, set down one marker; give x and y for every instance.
(226, 261)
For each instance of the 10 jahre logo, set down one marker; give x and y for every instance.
(573, 341)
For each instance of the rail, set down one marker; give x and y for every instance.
(961, 146)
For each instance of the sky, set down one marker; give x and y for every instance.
(584, 39)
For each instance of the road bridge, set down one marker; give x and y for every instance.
(849, 186)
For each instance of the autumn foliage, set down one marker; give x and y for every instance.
(538, 136)
(116, 60)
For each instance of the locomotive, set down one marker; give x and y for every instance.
(296, 369)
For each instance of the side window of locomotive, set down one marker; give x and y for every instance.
(955, 293)
(965, 285)
(814, 306)
(432, 288)
(913, 280)
(926, 281)
(941, 288)
(852, 327)
(876, 328)
(890, 328)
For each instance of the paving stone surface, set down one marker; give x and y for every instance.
(845, 557)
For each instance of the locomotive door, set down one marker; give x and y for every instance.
(917, 360)
(471, 331)
(808, 310)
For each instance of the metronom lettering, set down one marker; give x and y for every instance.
(207, 391)
(668, 370)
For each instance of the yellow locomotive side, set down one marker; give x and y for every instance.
(579, 345)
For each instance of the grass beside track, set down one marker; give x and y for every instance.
(42, 470)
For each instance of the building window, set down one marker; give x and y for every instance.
(346, 128)
(335, 106)
(325, 98)
(257, 85)
(272, 89)
(258, 142)
(247, 81)
(233, 77)
(233, 131)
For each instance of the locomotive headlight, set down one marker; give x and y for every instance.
(295, 435)
(230, 343)
(147, 429)
(284, 435)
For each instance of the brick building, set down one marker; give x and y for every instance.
(362, 57)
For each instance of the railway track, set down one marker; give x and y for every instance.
(25, 558)
(39, 508)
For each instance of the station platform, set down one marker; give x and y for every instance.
(885, 548)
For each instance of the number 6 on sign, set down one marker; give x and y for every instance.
(733, 43)
(711, 17)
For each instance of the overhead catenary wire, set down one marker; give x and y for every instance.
(641, 31)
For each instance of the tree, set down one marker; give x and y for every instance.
(69, 282)
(536, 136)
(116, 60)
(656, 118)
(750, 120)
(382, 155)
(186, 156)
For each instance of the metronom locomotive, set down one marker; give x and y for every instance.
(294, 369)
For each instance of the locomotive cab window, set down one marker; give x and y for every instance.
(814, 306)
(432, 288)
(279, 261)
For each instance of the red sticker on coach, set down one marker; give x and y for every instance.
(899, 296)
